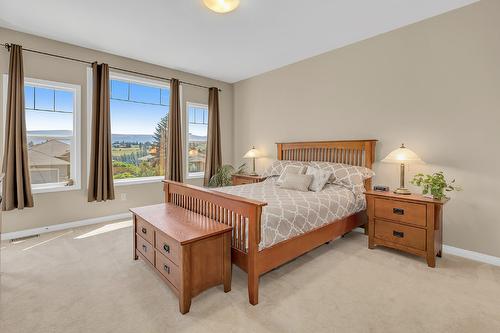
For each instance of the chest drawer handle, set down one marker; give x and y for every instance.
(166, 269)
(144, 231)
(166, 247)
(145, 248)
(398, 234)
(398, 211)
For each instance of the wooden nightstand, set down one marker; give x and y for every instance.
(411, 223)
(241, 179)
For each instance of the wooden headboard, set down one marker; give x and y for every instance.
(352, 152)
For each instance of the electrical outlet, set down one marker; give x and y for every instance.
(123, 196)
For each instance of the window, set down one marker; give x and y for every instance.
(197, 115)
(139, 118)
(52, 112)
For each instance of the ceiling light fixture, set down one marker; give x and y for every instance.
(222, 6)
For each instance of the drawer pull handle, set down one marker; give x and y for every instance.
(166, 247)
(398, 211)
(144, 231)
(166, 269)
(398, 234)
(145, 248)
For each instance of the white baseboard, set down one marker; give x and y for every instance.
(63, 226)
(471, 255)
(476, 256)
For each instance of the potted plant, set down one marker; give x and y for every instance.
(434, 185)
(223, 175)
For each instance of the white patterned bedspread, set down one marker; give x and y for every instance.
(290, 213)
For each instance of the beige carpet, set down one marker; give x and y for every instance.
(84, 280)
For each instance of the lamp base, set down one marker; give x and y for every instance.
(403, 191)
(253, 173)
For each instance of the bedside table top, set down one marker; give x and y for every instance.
(244, 175)
(410, 197)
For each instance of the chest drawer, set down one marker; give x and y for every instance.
(168, 269)
(401, 234)
(145, 230)
(401, 211)
(145, 248)
(168, 247)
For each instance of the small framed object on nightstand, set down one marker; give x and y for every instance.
(241, 179)
(410, 223)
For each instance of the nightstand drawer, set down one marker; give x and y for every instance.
(242, 181)
(401, 211)
(401, 234)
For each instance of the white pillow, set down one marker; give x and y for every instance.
(291, 170)
(297, 182)
(349, 176)
(320, 178)
(277, 167)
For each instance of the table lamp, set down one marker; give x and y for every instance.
(401, 156)
(253, 154)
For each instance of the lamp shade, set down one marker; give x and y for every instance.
(252, 153)
(402, 155)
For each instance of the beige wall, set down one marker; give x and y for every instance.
(61, 207)
(434, 85)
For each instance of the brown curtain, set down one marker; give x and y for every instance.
(16, 188)
(101, 187)
(174, 156)
(213, 158)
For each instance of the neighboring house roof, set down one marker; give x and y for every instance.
(52, 152)
(39, 159)
(52, 147)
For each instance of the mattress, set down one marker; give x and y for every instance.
(291, 213)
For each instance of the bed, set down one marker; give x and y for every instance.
(268, 230)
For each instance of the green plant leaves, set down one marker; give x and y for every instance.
(223, 175)
(434, 184)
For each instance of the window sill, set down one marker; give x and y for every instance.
(198, 175)
(54, 188)
(138, 181)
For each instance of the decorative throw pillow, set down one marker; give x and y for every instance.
(346, 175)
(277, 167)
(320, 178)
(291, 170)
(297, 182)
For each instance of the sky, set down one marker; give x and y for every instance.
(134, 110)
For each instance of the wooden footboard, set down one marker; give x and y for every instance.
(240, 213)
(244, 215)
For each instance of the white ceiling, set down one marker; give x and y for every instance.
(259, 36)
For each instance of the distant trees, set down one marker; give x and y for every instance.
(160, 138)
(160, 141)
(138, 159)
(123, 170)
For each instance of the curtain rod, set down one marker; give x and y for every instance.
(7, 46)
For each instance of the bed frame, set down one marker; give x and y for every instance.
(244, 215)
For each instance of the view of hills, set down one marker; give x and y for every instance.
(40, 136)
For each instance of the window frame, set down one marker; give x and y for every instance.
(129, 78)
(75, 150)
(192, 175)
